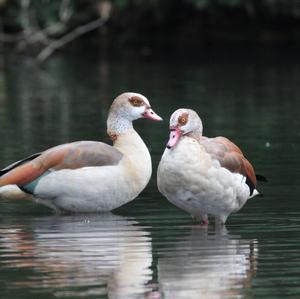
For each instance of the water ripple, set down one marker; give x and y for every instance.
(68, 253)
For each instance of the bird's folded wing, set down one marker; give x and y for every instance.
(66, 156)
(230, 157)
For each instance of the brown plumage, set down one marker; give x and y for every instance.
(204, 175)
(89, 176)
(230, 157)
(66, 156)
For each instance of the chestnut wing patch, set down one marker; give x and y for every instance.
(18, 163)
(79, 154)
(66, 156)
(230, 157)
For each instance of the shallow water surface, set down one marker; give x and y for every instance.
(148, 248)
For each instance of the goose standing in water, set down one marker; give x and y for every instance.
(89, 176)
(203, 175)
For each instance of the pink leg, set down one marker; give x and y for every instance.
(204, 220)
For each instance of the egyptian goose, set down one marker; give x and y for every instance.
(90, 176)
(203, 175)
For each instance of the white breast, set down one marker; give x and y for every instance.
(97, 189)
(191, 180)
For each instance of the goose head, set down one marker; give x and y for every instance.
(184, 122)
(126, 108)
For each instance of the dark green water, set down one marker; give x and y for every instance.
(148, 248)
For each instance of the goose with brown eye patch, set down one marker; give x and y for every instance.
(203, 175)
(88, 176)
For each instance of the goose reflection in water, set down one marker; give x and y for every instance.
(207, 266)
(80, 256)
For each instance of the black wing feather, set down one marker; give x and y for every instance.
(261, 178)
(16, 164)
(250, 185)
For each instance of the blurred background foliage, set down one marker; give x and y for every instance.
(36, 25)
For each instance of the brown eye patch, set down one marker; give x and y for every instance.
(136, 101)
(183, 119)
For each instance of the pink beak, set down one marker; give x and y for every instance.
(175, 135)
(149, 113)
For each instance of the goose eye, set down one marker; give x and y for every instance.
(136, 101)
(182, 120)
